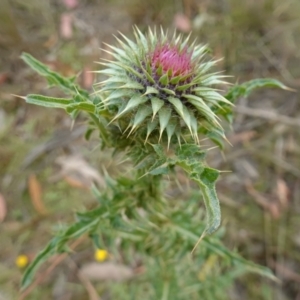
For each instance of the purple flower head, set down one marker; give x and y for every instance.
(160, 88)
(172, 60)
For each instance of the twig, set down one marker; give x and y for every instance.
(93, 295)
(63, 139)
(286, 272)
(269, 115)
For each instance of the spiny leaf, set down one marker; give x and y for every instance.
(170, 130)
(132, 85)
(151, 90)
(151, 125)
(191, 159)
(48, 101)
(67, 84)
(244, 89)
(207, 180)
(164, 79)
(143, 112)
(164, 115)
(157, 104)
(57, 243)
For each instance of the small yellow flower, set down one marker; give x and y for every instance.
(101, 255)
(21, 261)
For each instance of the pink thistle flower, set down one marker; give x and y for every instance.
(161, 89)
(171, 59)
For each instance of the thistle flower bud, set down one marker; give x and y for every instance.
(161, 88)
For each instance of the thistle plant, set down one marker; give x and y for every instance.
(158, 100)
(160, 85)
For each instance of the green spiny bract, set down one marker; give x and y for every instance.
(159, 88)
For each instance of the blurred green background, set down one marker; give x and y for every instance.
(45, 170)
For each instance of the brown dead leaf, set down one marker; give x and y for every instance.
(182, 23)
(78, 173)
(107, 271)
(3, 208)
(35, 191)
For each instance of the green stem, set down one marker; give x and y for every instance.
(166, 290)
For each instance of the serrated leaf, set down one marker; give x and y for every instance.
(244, 89)
(39, 259)
(191, 159)
(67, 84)
(48, 101)
(217, 248)
(58, 243)
(207, 180)
(158, 148)
(162, 170)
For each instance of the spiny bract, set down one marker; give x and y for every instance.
(161, 85)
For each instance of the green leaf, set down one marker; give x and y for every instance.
(39, 259)
(164, 79)
(132, 85)
(157, 104)
(217, 248)
(48, 101)
(151, 125)
(216, 137)
(151, 90)
(207, 180)
(88, 222)
(244, 89)
(191, 159)
(164, 115)
(53, 78)
(89, 107)
(143, 112)
(170, 130)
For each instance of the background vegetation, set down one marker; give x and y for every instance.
(39, 190)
